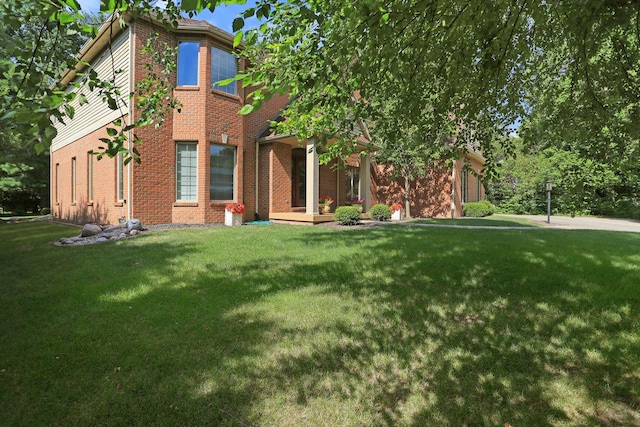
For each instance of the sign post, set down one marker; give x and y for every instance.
(549, 185)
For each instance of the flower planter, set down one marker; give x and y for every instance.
(396, 215)
(232, 219)
(324, 205)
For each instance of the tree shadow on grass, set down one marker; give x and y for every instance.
(378, 326)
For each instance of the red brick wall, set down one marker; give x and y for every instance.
(264, 170)
(104, 208)
(280, 178)
(205, 116)
(430, 196)
(153, 183)
(473, 183)
(329, 184)
(254, 123)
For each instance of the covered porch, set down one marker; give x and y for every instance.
(290, 181)
(303, 217)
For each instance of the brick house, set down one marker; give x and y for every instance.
(207, 155)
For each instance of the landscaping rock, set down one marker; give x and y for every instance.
(134, 224)
(90, 230)
(117, 227)
(92, 233)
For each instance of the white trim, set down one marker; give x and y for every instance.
(193, 144)
(89, 176)
(188, 40)
(312, 177)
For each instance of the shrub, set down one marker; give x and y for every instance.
(478, 209)
(380, 212)
(45, 211)
(347, 215)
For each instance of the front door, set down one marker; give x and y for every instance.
(299, 187)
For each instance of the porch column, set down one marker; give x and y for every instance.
(312, 178)
(365, 181)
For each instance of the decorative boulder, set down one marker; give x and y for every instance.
(90, 230)
(134, 224)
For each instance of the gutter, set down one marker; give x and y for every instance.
(132, 79)
(257, 198)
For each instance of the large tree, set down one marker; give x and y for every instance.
(490, 56)
(429, 54)
(35, 50)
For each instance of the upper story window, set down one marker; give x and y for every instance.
(223, 66)
(188, 63)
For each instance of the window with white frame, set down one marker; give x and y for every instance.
(119, 177)
(222, 170)
(90, 176)
(73, 180)
(57, 185)
(188, 63)
(352, 182)
(223, 66)
(464, 186)
(186, 171)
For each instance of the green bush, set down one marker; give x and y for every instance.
(347, 215)
(380, 212)
(478, 209)
(45, 211)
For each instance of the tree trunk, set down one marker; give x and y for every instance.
(407, 197)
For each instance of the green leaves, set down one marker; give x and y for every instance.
(237, 39)
(246, 109)
(237, 25)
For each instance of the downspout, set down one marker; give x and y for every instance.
(130, 120)
(453, 189)
(51, 199)
(338, 184)
(257, 177)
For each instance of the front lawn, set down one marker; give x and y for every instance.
(293, 325)
(488, 221)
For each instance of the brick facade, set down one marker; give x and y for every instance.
(208, 118)
(206, 115)
(104, 207)
(430, 195)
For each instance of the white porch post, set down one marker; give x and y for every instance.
(365, 181)
(312, 178)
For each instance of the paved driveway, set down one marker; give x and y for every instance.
(584, 223)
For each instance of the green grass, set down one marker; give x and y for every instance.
(489, 221)
(290, 326)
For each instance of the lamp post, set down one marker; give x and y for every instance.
(549, 202)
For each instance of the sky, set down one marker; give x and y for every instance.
(221, 18)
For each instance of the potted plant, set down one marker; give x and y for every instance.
(396, 212)
(233, 214)
(324, 204)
